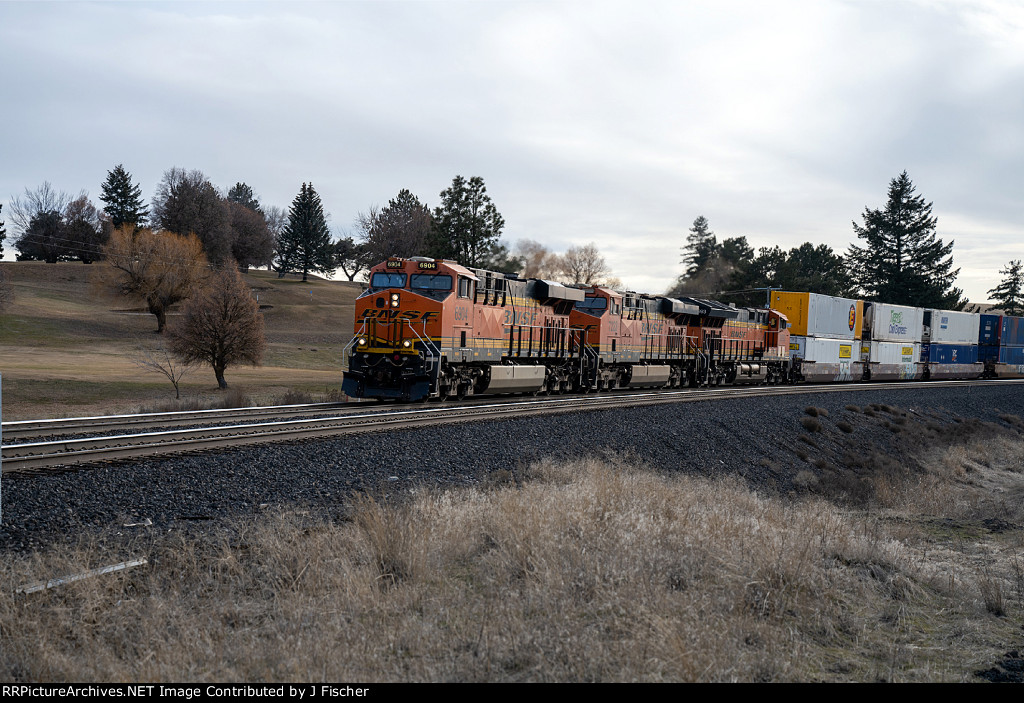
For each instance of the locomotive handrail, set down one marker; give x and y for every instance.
(432, 355)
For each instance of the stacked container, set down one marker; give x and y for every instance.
(951, 342)
(988, 342)
(1011, 349)
(892, 342)
(825, 335)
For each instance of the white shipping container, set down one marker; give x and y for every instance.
(954, 327)
(894, 323)
(890, 361)
(827, 359)
(834, 318)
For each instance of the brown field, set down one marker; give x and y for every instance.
(67, 348)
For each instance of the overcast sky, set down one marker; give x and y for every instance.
(616, 123)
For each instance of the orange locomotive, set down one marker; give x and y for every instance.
(428, 327)
(433, 328)
(656, 341)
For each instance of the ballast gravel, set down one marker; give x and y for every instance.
(757, 439)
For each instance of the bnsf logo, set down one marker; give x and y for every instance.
(853, 316)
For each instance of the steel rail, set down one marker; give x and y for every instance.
(65, 452)
(73, 425)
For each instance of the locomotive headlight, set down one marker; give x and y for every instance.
(394, 300)
(406, 343)
(362, 341)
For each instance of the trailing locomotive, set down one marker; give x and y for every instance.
(430, 328)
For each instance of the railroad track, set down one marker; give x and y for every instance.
(20, 429)
(62, 453)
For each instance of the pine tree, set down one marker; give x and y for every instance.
(701, 247)
(1008, 296)
(123, 199)
(242, 194)
(402, 228)
(902, 261)
(467, 225)
(305, 243)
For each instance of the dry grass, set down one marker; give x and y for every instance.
(67, 347)
(592, 571)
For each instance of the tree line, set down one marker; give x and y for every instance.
(898, 259)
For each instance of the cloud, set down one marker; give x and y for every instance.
(590, 121)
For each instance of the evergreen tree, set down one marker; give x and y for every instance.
(242, 194)
(123, 199)
(400, 229)
(467, 225)
(701, 247)
(1008, 296)
(305, 243)
(902, 261)
(816, 269)
(43, 239)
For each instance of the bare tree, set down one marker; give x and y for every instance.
(42, 199)
(352, 258)
(277, 220)
(222, 326)
(83, 235)
(585, 265)
(159, 359)
(160, 269)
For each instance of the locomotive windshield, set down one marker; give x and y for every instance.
(592, 306)
(380, 281)
(424, 281)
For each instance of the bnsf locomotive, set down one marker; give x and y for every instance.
(432, 328)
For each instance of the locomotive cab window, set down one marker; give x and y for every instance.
(380, 281)
(592, 306)
(466, 287)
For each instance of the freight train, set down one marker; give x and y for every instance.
(430, 328)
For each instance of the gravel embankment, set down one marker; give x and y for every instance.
(753, 438)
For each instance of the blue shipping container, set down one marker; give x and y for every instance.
(1013, 331)
(1011, 355)
(950, 353)
(990, 328)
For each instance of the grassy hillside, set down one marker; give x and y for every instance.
(67, 347)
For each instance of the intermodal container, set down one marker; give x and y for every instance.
(1011, 355)
(950, 353)
(813, 315)
(988, 333)
(892, 360)
(1013, 331)
(952, 327)
(894, 323)
(824, 359)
